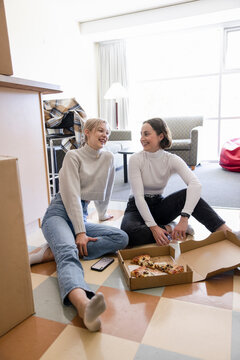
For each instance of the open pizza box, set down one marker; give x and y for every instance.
(201, 259)
(158, 253)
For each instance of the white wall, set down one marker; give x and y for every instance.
(192, 14)
(46, 45)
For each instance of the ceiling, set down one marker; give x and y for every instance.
(95, 9)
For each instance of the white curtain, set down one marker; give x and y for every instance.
(112, 61)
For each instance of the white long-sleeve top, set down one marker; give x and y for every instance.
(149, 174)
(86, 174)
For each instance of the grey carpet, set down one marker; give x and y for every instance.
(220, 188)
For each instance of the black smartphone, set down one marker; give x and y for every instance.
(101, 264)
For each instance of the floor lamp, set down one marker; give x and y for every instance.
(116, 92)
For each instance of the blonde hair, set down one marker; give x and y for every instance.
(93, 123)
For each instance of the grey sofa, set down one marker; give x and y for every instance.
(186, 134)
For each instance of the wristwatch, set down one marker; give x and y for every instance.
(183, 214)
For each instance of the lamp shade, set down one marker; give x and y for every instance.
(116, 91)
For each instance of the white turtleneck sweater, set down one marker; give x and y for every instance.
(86, 174)
(149, 174)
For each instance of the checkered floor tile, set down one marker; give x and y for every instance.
(180, 322)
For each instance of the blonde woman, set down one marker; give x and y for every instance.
(87, 174)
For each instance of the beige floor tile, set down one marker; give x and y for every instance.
(37, 279)
(97, 277)
(76, 343)
(231, 216)
(93, 216)
(195, 330)
(117, 205)
(236, 293)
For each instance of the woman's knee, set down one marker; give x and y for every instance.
(123, 238)
(140, 235)
(120, 237)
(66, 254)
(130, 225)
(133, 227)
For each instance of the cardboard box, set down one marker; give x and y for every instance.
(5, 58)
(16, 297)
(163, 253)
(201, 259)
(214, 255)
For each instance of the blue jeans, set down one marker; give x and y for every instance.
(164, 210)
(59, 233)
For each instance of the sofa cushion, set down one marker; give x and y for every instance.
(181, 144)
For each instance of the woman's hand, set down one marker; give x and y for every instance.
(159, 235)
(179, 232)
(81, 241)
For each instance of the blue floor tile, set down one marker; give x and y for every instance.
(116, 280)
(149, 352)
(48, 303)
(235, 335)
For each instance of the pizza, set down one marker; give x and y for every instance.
(176, 269)
(143, 271)
(139, 260)
(147, 267)
(162, 266)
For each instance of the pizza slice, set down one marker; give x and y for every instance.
(139, 260)
(142, 271)
(176, 269)
(162, 266)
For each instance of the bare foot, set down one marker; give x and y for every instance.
(106, 217)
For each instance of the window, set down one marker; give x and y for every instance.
(180, 73)
(232, 54)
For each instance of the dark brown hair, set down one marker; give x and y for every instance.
(160, 127)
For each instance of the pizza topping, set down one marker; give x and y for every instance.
(140, 259)
(150, 268)
(143, 271)
(176, 269)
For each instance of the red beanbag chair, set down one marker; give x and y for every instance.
(230, 155)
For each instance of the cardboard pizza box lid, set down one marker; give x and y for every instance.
(216, 254)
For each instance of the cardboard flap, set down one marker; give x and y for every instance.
(152, 250)
(213, 255)
(196, 244)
